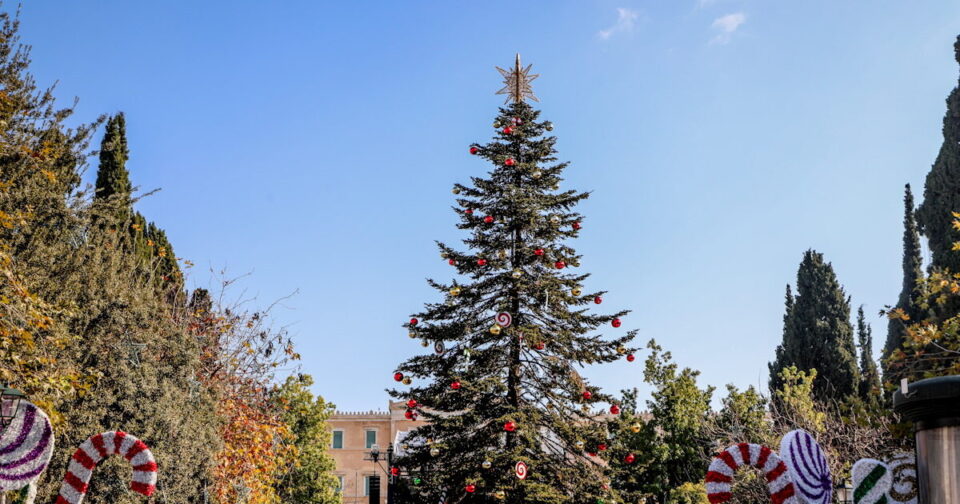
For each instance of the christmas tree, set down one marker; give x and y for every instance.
(511, 418)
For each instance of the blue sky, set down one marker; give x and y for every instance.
(314, 144)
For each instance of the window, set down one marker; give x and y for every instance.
(338, 440)
(371, 484)
(371, 438)
(339, 484)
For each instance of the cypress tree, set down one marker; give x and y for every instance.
(113, 180)
(869, 377)
(941, 193)
(912, 273)
(817, 333)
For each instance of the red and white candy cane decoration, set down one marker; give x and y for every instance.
(99, 447)
(720, 474)
(503, 319)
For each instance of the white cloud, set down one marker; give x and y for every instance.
(726, 25)
(626, 20)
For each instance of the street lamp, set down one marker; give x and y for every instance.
(845, 492)
(9, 405)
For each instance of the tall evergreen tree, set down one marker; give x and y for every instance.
(509, 393)
(869, 376)
(912, 273)
(113, 179)
(941, 193)
(817, 333)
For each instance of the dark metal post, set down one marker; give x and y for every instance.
(933, 405)
(391, 479)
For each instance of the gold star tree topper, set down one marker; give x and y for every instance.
(517, 83)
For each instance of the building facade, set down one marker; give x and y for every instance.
(355, 435)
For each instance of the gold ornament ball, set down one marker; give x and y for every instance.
(455, 291)
(456, 190)
(635, 427)
(494, 330)
(548, 126)
(434, 451)
(486, 464)
(496, 124)
(579, 445)
(516, 273)
(424, 343)
(575, 263)
(500, 495)
(555, 220)
(576, 291)
(412, 335)
(621, 350)
(550, 406)
(407, 380)
(502, 254)
(536, 174)
(555, 187)
(443, 255)
(405, 446)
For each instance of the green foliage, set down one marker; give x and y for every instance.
(310, 480)
(113, 181)
(797, 405)
(689, 493)
(870, 388)
(506, 378)
(817, 333)
(941, 192)
(912, 276)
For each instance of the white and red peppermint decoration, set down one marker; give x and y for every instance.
(503, 319)
(720, 474)
(99, 447)
(26, 446)
(521, 470)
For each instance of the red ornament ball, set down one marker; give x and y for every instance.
(488, 219)
(474, 150)
(395, 471)
(538, 252)
(630, 358)
(630, 458)
(470, 488)
(614, 410)
(397, 376)
(541, 346)
(560, 264)
(587, 394)
(597, 300)
(601, 447)
(508, 130)
(451, 262)
(592, 454)
(481, 262)
(509, 162)
(412, 403)
(408, 415)
(576, 225)
(509, 426)
(455, 385)
(468, 211)
(413, 321)
(615, 323)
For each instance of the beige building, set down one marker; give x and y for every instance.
(355, 434)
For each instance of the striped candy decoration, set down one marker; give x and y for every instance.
(871, 482)
(903, 469)
(808, 467)
(720, 474)
(26, 446)
(99, 447)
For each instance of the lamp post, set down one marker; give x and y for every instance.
(844, 492)
(376, 457)
(9, 407)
